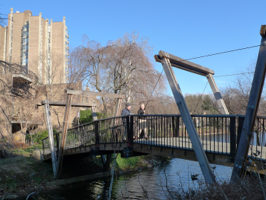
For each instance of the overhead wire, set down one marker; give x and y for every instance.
(223, 52)
(234, 74)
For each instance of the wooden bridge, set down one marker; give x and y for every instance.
(219, 135)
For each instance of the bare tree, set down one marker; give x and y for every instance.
(122, 66)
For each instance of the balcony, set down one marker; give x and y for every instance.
(21, 79)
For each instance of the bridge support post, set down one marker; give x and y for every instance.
(252, 108)
(51, 135)
(106, 162)
(180, 101)
(93, 110)
(117, 109)
(64, 135)
(217, 95)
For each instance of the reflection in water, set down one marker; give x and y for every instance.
(178, 173)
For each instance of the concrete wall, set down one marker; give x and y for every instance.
(2, 42)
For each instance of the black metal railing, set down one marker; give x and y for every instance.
(170, 131)
(219, 134)
(109, 130)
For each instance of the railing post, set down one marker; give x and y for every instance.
(97, 135)
(239, 128)
(175, 121)
(57, 144)
(130, 126)
(232, 139)
(43, 146)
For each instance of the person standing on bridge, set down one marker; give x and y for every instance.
(142, 126)
(126, 112)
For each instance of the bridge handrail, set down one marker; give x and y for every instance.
(157, 115)
(168, 131)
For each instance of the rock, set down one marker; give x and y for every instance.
(12, 196)
(37, 154)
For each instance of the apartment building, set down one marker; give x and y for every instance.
(39, 45)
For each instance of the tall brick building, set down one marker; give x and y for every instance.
(40, 46)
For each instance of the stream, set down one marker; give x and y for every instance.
(129, 186)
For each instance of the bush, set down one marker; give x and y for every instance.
(38, 137)
(86, 116)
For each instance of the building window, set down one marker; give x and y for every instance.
(25, 41)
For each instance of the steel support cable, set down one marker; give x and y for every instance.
(154, 87)
(200, 96)
(223, 52)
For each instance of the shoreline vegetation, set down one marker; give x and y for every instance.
(22, 174)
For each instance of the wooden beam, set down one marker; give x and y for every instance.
(23, 122)
(263, 31)
(51, 136)
(63, 103)
(97, 94)
(183, 64)
(196, 143)
(251, 113)
(117, 110)
(64, 135)
(222, 107)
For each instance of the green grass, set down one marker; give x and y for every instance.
(21, 172)
(128, 164)
(27, 152)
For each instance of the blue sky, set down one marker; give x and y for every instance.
(186, 28)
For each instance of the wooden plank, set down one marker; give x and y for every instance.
(79, 179)
(23, 122)
(180, 101)
(64, 134)
(63, 103)
(183, 64)
(158, 58)
(97, 94)
(251, 113)
(221, 105)
(51, 136)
